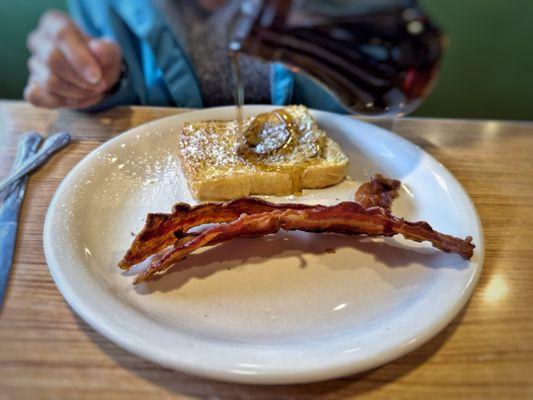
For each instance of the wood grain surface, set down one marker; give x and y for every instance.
(47, 352)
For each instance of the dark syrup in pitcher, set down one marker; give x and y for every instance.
(376, 63)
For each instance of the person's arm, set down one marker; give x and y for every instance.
(70, 69)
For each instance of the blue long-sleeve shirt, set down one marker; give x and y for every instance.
(158, 70)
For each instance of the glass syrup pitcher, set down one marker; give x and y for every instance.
(377, 57)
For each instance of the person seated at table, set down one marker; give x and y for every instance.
(158, 53)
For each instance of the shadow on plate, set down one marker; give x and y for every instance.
(388, 252)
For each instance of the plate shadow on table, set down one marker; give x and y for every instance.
(389, 252)
(182, 384)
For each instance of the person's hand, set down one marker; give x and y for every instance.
(68, 68)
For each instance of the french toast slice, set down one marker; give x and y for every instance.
(215, 170)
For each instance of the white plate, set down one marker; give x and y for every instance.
(279, 309)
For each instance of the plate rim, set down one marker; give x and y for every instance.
(314, 373)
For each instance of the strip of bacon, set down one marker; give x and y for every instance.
(345, 218)
(379, 192)
(161, 230)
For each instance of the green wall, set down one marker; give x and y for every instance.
(487, 70)
(17, 19)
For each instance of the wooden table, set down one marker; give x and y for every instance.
(47, 352)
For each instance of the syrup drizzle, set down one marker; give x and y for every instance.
(238, 93)
(270, 137)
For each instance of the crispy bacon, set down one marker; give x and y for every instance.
(344, 218)
(251, 217)
(161, 230)
(379, 192)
